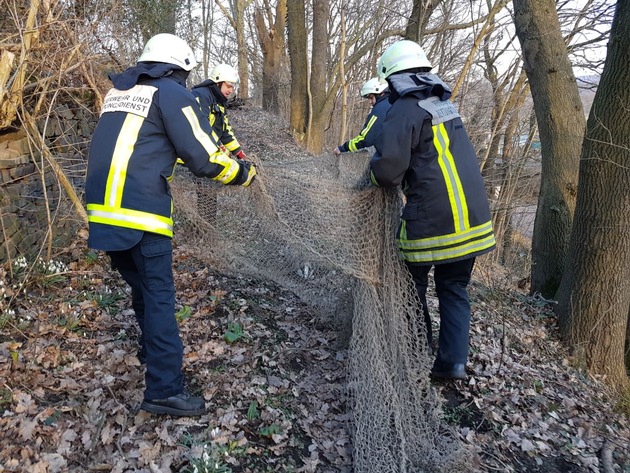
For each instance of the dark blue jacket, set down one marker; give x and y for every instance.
(212, 103)
(424, 147)
(148, 119)
(371, 128)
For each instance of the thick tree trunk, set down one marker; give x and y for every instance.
(271, 40)
(320, 109)
(594, 295)
(298, 54)
(561, 122)
(243, 71)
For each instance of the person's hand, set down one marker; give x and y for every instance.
(337, 151)
(249, 173)
(241, 154)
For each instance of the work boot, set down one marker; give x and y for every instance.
(182, 404)
(448, 371)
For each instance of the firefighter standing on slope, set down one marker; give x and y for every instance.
(446, 222)
(148, 119)
(375, 90)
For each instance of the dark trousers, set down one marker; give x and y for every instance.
(451, 282)
(148, 268)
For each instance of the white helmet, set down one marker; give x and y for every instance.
(224, 73)
(373, 86)
(170, 49)
(401, 56)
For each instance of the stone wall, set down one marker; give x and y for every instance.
(32, 202)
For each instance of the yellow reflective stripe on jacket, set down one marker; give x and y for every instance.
(120, 159)
(128, 218)
(230, 167)
(456, 196)
(352, 144)
(450, 240)
(234, 144)
(441, 254)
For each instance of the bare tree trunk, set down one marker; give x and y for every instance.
(561, 122)
(344, 81)
(298, 53)
(320, 106)
(419, 18)
(271, 40)
(236, 17)
(594, 294)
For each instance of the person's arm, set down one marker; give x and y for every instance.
(228, 139)
(191, 135)
(364, 139)
(393, 150)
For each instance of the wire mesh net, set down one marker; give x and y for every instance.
(315, 225)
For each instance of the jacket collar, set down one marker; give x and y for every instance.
(421, 84)
(147, 70)
(380, 98)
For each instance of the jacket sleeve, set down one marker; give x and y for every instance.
(191, 135)
(365, 138)
(393, 150)
(228, 139)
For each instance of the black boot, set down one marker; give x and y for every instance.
(182, 404)
(449, 371)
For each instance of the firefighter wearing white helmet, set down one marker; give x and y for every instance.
(168, 48)
(402, 56)
(446, 223)
(374, 86)
(375, 91)
(148, 119)
(213, 94)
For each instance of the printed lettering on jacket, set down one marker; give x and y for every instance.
(136, 100)
(441, 110)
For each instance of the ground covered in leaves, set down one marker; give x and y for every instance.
(273, 381)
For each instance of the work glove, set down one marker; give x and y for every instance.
(337, 151)
(240, 154)
(247, 174)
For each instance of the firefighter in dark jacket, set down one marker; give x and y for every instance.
(148, 119)
(446, 222)
(213, 95)
(375, 90)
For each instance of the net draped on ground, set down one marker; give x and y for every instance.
(314, 225)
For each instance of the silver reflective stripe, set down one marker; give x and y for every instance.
(441, 110)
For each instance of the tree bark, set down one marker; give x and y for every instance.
(594, 295)
(298, 54)
(561, 122)
(419, 18)
(320, 106)
(271, 40)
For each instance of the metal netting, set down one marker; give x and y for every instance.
(315, 225)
